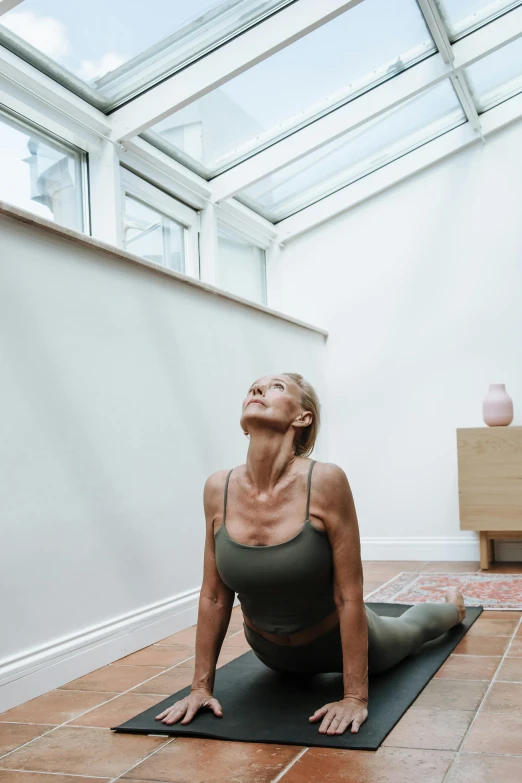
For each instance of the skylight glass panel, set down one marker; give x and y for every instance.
(109, 50)
(496, 77)
(463, 16)
(366, 45)
(356, 154)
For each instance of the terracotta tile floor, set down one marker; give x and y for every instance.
(465, 727)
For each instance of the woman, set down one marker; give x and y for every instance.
(300, 585)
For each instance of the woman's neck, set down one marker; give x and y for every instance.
(270, 455)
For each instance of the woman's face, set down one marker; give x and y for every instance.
(273, 401)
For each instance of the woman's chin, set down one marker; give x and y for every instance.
(255, 415)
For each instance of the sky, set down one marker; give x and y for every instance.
(89, 37)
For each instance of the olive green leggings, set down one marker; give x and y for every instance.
(390, 639)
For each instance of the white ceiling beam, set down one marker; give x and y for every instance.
(8, 5)
(348, 117)
(30, 108)
(440, 35)
(436, 27)
(465, 97)
(243, 218)
(397, 171)
(238, 55)
(17, 76)
(154, 166)
(488, 39)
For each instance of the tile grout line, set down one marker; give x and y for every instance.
(25, 744)
(446, 778)
(81, 714)
(145, 758)
(129, 690)
(289, 765)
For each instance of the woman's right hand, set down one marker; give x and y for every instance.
(189, 706)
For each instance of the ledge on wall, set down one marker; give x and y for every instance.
(28, 218)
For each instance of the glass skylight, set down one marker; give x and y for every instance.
(463, 16)
(496, 77)
(356, 154)
(108, 50)
(290, 89)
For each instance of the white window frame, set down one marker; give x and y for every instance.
(151, 196)
(253, 227)
(25, 125)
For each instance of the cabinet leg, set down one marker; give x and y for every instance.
(491, 550)
(484, 550)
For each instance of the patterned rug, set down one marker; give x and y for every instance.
(492, 591)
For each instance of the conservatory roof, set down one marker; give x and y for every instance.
(294, 108)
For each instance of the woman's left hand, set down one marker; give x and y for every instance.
(339, 714)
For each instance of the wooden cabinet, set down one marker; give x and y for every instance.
(490, 484)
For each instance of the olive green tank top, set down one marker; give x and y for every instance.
(282, 588)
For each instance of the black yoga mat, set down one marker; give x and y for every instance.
(261, 705)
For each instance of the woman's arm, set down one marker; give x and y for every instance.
(342, 527)
(215, 599)
(335, 506)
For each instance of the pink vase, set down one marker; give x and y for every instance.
(497, 407)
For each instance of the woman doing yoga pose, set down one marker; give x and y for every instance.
(300, 585)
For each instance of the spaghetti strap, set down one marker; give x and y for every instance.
(225, 497)
(309, 485)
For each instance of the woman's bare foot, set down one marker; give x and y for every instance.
(453, 596)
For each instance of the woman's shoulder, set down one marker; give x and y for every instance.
(217, 480)
(331, 489)
(329, 471)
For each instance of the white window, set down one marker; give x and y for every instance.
(41, 174)
(241, 267)
(158, 227)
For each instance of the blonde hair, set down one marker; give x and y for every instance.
(305, 440)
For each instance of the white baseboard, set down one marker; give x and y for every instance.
(37, 671)
(422, 548)
(429, 548)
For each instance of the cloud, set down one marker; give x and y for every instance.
(46, 34)
(92, 69)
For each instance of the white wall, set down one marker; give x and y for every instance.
(420, 289)
(121, 392)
